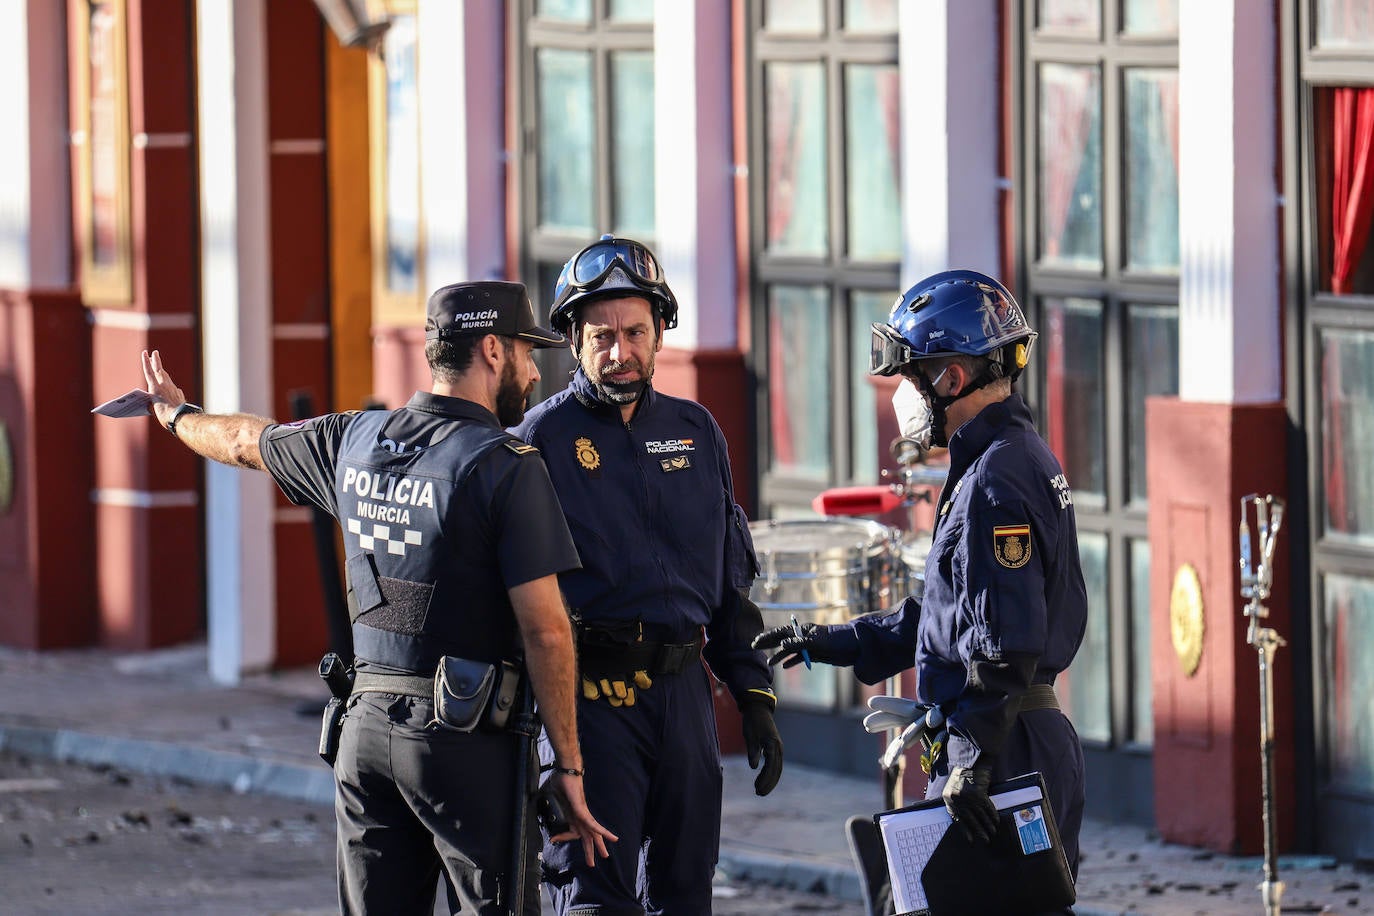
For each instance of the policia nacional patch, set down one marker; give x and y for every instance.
(1011, 544)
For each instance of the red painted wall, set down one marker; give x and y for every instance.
(149, 558)
(301, 350)
(1201, 459)
(47, 546)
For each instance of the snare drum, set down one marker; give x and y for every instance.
(823, 570)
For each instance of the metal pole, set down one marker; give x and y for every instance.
(1255, 585)
(1271, 890)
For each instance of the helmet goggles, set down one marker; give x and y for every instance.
(889, 351)
(594, 263)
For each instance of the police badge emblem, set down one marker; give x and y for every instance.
(1011, 545)
(587, 455)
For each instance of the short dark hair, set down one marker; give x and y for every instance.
(449, 359)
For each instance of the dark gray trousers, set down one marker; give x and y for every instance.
(413, 803)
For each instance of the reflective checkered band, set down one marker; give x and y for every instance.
(381, 534)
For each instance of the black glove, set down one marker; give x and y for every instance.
(761, 739)
(966, 799)
(833, 645)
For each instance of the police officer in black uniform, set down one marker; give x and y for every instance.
(454, 540)
(1004, 608)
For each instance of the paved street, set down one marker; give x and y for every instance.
(100, 840)
(149, 842)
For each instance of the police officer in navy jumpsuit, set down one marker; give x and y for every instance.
(454, 539)
(1004, 607)
(644, 480)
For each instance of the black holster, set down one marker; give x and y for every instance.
(331, 726)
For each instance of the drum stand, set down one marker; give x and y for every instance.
(1255, 586)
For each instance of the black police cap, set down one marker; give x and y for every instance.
(485, 307)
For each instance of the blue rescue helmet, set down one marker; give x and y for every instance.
(610, 267)
(953, 312)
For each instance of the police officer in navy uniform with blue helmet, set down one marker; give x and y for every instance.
(454, 540)
(644, 480)
(1004, 607)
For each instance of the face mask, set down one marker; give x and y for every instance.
(914, 419)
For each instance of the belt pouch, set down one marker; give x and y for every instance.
(331, 724)
(503, 698)
(462, 688)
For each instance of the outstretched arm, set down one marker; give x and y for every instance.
(227, 438)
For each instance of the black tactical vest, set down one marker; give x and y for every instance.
(405, 527)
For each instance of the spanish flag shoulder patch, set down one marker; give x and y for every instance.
(1011, 544)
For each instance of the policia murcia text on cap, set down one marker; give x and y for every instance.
(454, 540)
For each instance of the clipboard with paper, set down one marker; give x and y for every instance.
(937, 871)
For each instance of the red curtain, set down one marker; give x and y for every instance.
(1352, 171)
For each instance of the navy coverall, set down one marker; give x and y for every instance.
(1004, 608)
(651, 508)
(442, 513)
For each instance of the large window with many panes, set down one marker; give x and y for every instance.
(1335, 108)
(824, 234)
(825, 245)
(1099, 249)
(585, 143)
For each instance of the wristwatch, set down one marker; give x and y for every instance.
(183, 408)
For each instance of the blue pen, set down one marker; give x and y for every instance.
(797, 632)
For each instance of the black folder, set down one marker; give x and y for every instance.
(936, 871)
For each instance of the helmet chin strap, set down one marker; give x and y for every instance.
(939, 404)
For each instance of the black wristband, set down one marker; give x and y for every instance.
(183, 408)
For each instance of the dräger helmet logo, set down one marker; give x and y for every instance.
(938, 332)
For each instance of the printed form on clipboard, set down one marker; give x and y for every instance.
(1026, 854)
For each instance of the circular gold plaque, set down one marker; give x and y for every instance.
(6, 470)
(1186, 619)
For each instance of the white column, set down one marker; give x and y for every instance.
(236, 326)
(1229, 324)
(35, 222)
(461, 81)
(950, 134)
(693, 177)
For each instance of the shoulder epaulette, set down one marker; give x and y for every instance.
(520, 448)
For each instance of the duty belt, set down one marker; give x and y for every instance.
(406, 685)
(1038, 696)
(654, 657)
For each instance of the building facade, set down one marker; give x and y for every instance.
(1180, 194)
